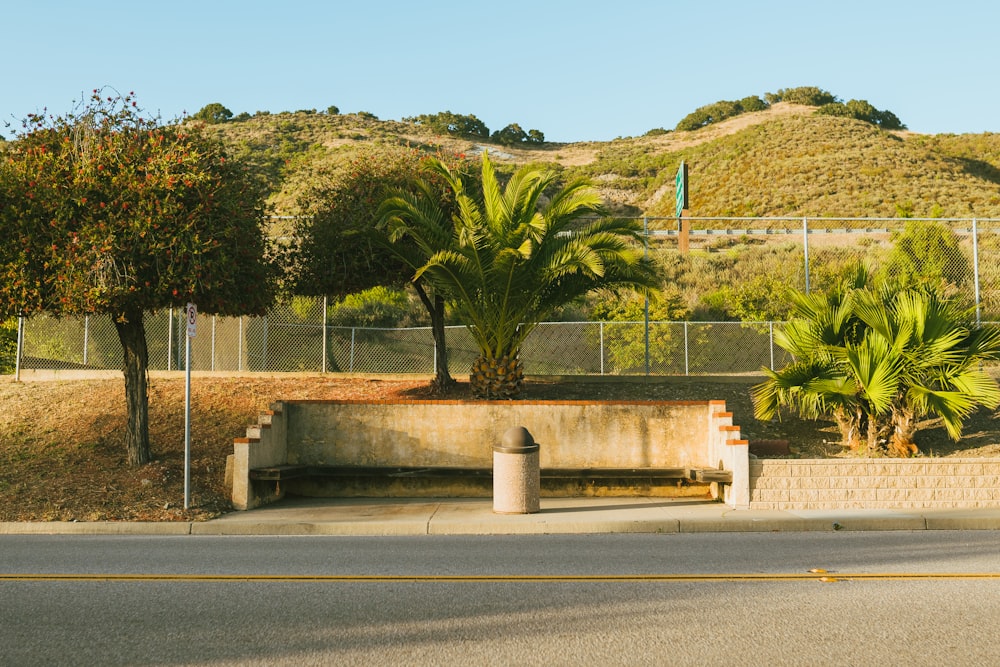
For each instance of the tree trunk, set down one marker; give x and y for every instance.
(132, 334)
(435, 308)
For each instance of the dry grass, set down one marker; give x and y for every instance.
(782, 161)
(62, 452)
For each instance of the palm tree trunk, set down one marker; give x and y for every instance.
(497, 378)
(132, 334)
(852, 427)
(879, 433)
(903, 429)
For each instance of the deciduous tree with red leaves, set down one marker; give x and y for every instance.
(106, 211)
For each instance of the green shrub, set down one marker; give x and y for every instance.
(862, 110)
(510, 135)
(375, 307)
(535, 137)
(927, 253)
(213, 113)
(753, 103)
(807, 95)
(708, 114)
(719, 111)
(626, 345)
(446, 122)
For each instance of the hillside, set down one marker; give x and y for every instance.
(784, 161)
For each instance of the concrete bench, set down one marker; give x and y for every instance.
(374, 477)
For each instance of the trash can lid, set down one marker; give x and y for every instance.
(516, 439)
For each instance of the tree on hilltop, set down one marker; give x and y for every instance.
(862, 110)
(446, 122)
(109, 212)
(513, 135)
(807, 95)
(213, 113)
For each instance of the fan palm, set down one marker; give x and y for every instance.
(508, 257)
(878, 360)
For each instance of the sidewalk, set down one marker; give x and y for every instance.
(475, 516)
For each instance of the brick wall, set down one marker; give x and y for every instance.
(925, 483)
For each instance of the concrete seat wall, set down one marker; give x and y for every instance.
(571, 434)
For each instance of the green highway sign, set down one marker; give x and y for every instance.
(681, 188)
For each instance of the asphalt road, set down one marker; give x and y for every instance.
(917, 598)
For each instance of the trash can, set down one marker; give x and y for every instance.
(516, 477)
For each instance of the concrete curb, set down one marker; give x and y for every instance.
(459, 516)
(95, 528)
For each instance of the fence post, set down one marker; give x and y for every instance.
(239, 346)
(687, 367)
(601, 350)
(351, 364)
(19, 353)
(86, 337)
(975, 269)
(323, 370)
(170, 337)
(645, 253)
(263, 360)
(770, 330)
(213, 343)
(805, 248)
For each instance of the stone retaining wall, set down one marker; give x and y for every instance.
(924, 483)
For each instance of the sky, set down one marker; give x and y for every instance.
(578, 70)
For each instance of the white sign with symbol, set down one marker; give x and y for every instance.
(192, 319)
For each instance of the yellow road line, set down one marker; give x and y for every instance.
(568, 578)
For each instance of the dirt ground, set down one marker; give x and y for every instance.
(62, 454)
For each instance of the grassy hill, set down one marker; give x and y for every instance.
(784, 161)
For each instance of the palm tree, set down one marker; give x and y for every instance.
(926, 358)
(879, 359)
(512, 257)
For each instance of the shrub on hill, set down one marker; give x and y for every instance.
(862, 110)
(213, 113)
(446, 122)
(810, 96)
(512, 135)
(719, 111)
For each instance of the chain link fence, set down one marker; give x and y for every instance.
(728, 258)
(279, 343)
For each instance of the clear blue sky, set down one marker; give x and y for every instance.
(575, 69)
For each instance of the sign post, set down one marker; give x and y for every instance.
(681, 208)
(192, 321)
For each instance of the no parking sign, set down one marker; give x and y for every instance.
(192, 319)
